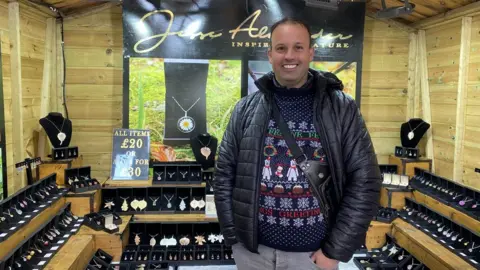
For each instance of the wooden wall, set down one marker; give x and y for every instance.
(32, 39)
(94, 84)
(443, 44)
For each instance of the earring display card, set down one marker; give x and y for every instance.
(154, 200)
(397, 181)
(390, 256)
(453, 236)
(406, 152)
(178, 243)
(80, 180)
(36, 251)
(449, 193)
(65, 153)
(20, 208)
(178, 172)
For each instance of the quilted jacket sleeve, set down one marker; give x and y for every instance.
(225, 176)
(362, 188)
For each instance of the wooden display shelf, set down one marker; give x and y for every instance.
(377, 234)
(426, 249)
(74, 255)
(58, 167)
(147, 183)
(15, 239)
(406, 166)
(396, 200)
(114, 243)
(449, 212)
(173, 218)
(85, 202)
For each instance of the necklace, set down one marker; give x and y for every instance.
(183, 205)
(154, 200)
(473, 247)
(169, 204)
(185, 124)
(205, 150)
(60, 136)
(411, 135)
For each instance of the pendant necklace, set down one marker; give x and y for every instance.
(186, 124)
(124, 204)
(152, 240)
(183, 205)
(205, 150)
(411, 135)
(60, 136)
(154, 200)
(169, 204)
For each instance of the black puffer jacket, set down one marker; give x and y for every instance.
(354, 192)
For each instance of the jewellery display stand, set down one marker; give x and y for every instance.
(185, 100)
(393, 180)
(454, 195)
(40, 247)
(154, 200)
(106, 221)
(80, 180)
(18, 210)
(204, 148)
(390, 256)
(453, 236)
(406, 152)
(100, 260)
(386, 214)
(186, 172)
(412, 131)
(177, 244)
(62, 153)
(58, 129)
(28, 164)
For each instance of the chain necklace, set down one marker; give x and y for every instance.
(185, 124)
(60, 136)
(205, 150)
(411, 135)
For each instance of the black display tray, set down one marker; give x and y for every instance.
(79, 179)
(10, 225)
(62, 153)
(447, 192)
(100, 260)
(179, 172)
(380, 218)
(435, 225)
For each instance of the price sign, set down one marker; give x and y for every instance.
(131, 154)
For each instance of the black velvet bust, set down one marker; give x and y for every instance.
(199, 141)
(419, 128)
(52, 123)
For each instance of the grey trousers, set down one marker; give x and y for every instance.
(271, 259)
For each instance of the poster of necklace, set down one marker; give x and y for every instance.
(179, 98)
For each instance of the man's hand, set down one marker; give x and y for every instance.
(323, 262)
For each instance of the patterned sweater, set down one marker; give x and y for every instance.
(289, 216)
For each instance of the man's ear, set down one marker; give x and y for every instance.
(311, 51)
(269, 54)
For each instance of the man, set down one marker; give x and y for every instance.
(265, 204)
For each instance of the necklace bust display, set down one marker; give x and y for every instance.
(58, 129)
(411, 132)
(204, 147)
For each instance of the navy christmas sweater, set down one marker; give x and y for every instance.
(289, 215)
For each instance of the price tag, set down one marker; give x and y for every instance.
(443, 241)
(463, 254)
(49, 202)
(74, 230)
(80, 220)
(434, 235)
(427, 230)
(42, 262)
(451, 247)
(66, 235)
(35, 211)
(55, 197)
(13, 228)
(54, 248)
(21, 221)
(48, 255)
(472, 260)
(27, 216)
(417, 225)
(76, 225)
(61, 242)
(131, 154)
(3, 235)
(42, 206)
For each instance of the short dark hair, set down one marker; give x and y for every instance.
(291, 20)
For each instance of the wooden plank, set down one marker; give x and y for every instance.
(75, 254)
(412, 60)
(462, 98)
(16, 90)
(103, 21)
(426, 249)
(38, 9)
(99, 39)
(57, 100)
(376, 234)
(446, 17)
(94, 57)
(396, 24)
(427, 117)
(97, 76)
(90, 11)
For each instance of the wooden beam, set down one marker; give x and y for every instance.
(38, 8)
(17, 91)
(57, 105)
(48, 64)
(394, 23)
(446, 17)
(427, 115)
(91, 10)
(462, 97)
(412, 62)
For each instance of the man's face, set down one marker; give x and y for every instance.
(290, 54)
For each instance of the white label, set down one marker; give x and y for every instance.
(42, 262)
(427, 230)
(27, 216)
(21, 221)
(49, 202)
(11, 229)
(434, 235)
(42, 205)
(54, 248)
(35, 211)
(451, 247)
(442, 241)
(55, 197)
(73, 230)
(3, 235)
(76, 225)
(66, 235)
(48, 255)
(463, 254)
(61, 242)
(475, 262)
(417, 225)
(80, 220)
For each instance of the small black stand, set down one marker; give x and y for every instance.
(407, 152)
(204, 140)
(418, 127)
(28, 164)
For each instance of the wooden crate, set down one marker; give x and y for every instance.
(114, 243)
(74, 255)
(424, 248)
(407, 166)
(15, 239)
(393, 198)
(58, 167)
(85, 202)
(376, 234)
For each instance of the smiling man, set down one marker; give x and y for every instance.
(270, 212)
